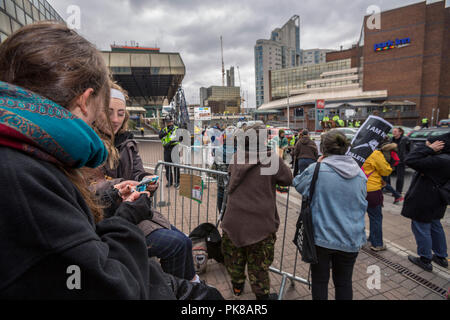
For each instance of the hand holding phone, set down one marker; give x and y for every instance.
(146, 182)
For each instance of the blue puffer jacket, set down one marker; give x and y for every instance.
(339, 203)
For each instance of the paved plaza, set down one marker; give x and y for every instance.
(187, 214)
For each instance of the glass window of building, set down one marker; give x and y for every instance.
(27, 7)
(28, 19)
(5, 24)
(3, 36)
(19, 3)
(20, 16)
(15, 26)
(10, 8)
(35, 13)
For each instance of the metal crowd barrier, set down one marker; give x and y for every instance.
(152, 151)
(186, 214)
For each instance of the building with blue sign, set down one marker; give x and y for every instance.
(400, 72)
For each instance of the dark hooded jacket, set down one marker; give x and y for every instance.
(423, 201)
(46, 227)
(251, 215)
(305, 148)
(403, 147)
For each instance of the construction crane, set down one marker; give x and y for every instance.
(240, 86)
(223, 63)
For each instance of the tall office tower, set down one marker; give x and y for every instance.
(281, 51)
(230, 77)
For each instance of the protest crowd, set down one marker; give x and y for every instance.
(71, 191)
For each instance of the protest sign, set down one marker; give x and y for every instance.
(191, 187)
(368, 138)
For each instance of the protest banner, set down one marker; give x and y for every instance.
(368, 138)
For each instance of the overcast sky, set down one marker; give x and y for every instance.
(193, 28)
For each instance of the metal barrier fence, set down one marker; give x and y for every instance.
(186, 214)
(152, 151)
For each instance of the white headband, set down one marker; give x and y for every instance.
(117, 94)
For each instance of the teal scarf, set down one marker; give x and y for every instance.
(47, 131)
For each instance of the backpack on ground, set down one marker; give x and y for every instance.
(206, 244)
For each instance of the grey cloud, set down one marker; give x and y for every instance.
(193, 28)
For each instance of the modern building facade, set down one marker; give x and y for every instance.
(400, 72)
(230, 77)
(313, 56)
(291, 81)
(281, 51)
(221, 99)
(151, 77)
(18, 13)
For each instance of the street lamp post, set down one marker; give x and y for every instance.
(288, 106)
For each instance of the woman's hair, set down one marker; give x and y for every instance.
(55, 62)
(109, 139)
(402, 132)
(334, 143)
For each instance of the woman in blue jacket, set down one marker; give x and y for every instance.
(338, 208)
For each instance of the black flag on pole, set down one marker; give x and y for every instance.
(368, 138)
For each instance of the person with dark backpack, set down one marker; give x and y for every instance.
(427, 199)
(338, 208)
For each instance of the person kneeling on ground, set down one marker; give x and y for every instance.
(251, 219)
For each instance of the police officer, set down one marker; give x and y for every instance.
(336, 118)
(168, 137)
(326, 122)
(425, 123)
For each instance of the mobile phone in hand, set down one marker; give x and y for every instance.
(141, 187)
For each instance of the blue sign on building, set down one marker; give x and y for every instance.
(398, 43)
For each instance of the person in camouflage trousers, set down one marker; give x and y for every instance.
(251, 219)
(258, 258)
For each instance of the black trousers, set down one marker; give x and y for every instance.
(342, 264)
(400, 169)
(171, 172)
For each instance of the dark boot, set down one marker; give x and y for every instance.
(424, 263)
(238, 289)
(443, 262)
(271, 296)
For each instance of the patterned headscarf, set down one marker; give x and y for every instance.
(43, 129)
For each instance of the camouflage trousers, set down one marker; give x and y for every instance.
(258, 258)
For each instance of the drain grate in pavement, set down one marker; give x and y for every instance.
(408, 274)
